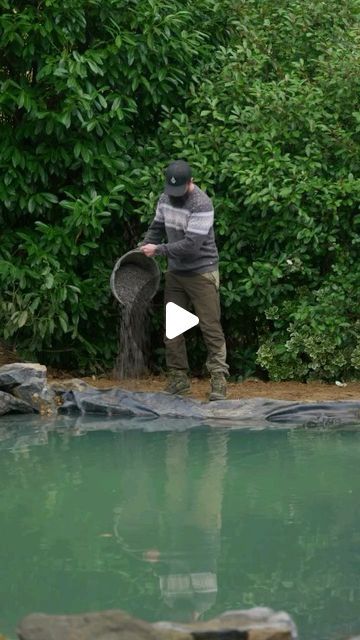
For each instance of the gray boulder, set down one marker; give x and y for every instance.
(12, 375)
(259, 623)
(9, 404)
(36, 393)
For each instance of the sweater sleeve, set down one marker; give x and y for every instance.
(156, 231)
(200, 223)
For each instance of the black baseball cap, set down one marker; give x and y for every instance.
(177, 176)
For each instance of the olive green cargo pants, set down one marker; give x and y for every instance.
(201, 292)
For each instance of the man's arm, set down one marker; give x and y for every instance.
(198, 228)
(156, 231)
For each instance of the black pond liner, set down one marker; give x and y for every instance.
(251, 412)
(117, 410)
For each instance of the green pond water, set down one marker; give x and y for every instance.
(181, 525)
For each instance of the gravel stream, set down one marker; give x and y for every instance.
(135, 288)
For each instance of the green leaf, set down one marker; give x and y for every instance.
(63, 324)
(49, 281)
(31, 205)
(22, 318)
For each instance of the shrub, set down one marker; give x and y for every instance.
(273, 133)
(262, 98)
(83, 84)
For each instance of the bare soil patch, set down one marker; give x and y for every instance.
(295, 391)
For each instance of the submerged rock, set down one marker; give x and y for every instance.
(259, 623)
(106, 625)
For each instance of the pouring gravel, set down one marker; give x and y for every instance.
(135, 290)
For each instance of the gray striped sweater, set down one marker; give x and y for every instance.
(190, 246)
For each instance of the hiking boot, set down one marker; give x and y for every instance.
(218, 387)
(178, 383)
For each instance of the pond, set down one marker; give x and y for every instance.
(180, 524)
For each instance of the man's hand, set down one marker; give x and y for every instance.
(148, 249)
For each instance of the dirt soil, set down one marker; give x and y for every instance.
(295, 391)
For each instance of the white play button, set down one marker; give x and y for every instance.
(178, 320)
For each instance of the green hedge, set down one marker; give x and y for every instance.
(83, 86)
(262, 98)
(273, 133)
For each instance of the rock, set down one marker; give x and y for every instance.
(62, 388)
(26, 390)
(106, 625)
(12, 375)
(9, 404)
(259, 623)
(36, 393)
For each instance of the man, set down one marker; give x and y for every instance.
(185, 215)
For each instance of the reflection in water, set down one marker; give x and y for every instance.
(185, 533)
(180, 525)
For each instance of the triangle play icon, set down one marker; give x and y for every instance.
(178, 320)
